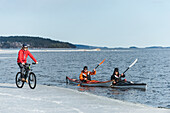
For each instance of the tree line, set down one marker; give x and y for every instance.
(33, 42)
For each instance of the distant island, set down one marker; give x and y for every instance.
(33, 42)
(39, 42)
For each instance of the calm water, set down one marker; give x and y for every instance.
(153, 68)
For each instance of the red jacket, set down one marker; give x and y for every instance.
(22, 56)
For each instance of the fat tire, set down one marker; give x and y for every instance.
(16, 80)
(29, 80)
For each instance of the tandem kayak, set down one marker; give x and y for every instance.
(129, 84)
(121, 84)
(92, 83)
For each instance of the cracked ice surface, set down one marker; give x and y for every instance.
(51, 99)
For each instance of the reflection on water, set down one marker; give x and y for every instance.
(86, 89)
(153, 68)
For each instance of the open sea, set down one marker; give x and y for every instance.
(152, 68)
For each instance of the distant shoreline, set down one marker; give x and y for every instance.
(14, 42)
(15, 50)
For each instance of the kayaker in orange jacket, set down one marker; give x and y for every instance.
(85, 74)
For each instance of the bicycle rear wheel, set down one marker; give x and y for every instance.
(32, 80)
(18, 80)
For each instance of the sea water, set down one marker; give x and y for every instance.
(152, 68)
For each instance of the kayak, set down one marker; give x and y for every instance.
(72, 81)
(128, 84)
(92, 83)
(98, 84)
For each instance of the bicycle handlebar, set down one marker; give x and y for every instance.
(31, 63)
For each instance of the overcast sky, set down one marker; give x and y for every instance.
(111, 23)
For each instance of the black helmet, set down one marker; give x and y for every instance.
(85, 67)
(24, 45)
(117, 69)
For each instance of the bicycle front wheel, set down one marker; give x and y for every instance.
(32, 80)
(18, 80)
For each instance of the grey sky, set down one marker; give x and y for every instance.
(111, 23)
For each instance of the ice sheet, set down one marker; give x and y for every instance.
(51, 99)
(47, 50)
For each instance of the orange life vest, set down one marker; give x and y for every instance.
(84, 74)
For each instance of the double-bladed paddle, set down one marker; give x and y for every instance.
(130, 66)
(88, 76)
(99, 64)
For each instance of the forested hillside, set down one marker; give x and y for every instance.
(34, 42)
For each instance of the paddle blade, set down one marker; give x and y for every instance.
(133, 63)
(102, 62)
(99, 64)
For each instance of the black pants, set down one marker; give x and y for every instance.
(88, 77)
(22, 69)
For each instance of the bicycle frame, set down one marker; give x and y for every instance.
(28, 74)
(28, 69)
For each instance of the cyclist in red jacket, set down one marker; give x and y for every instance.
(22, 60)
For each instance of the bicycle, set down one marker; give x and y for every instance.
(30, 76)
